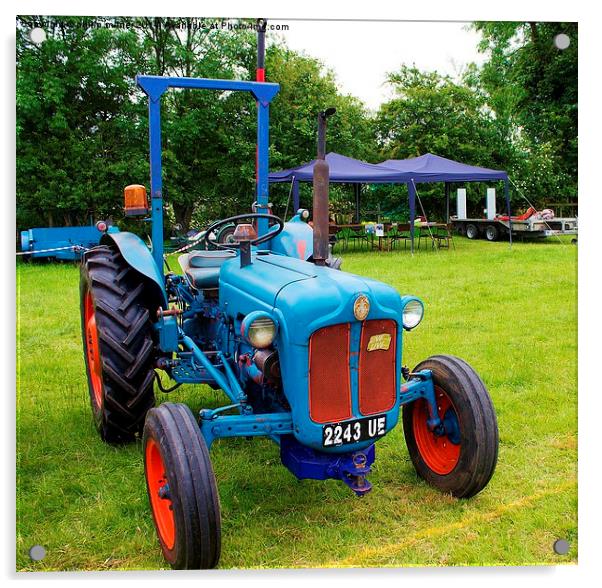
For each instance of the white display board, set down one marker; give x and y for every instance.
(490, 203)
(461, 203)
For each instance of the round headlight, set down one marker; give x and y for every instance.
(361, 307)
(413, 312)
(259, 329)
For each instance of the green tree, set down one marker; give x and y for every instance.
(431, 113)
(306, 88)
(82, 129)
(78, 133)
(531, 85)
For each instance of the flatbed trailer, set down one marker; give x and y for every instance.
(498, 228)
(62, 243)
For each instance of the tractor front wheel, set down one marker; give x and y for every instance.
(118, 344)
(462, 459)
(181, 488)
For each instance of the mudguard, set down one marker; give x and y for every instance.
(138, 256)
(296, 240)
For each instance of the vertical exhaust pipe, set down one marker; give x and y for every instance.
(321, 184)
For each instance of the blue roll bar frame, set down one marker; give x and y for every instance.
(154, 87)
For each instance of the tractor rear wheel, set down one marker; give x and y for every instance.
(462, 460)
(118, 344)
(181, 488)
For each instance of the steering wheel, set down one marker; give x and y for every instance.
(204, 240)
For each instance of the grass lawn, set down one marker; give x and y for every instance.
(512, 314)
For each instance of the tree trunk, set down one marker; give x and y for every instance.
(183, 214)
(534, 32)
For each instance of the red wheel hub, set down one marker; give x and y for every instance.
(93, 349)
(158, 490)
(437, 451)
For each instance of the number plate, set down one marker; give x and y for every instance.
(354, 431)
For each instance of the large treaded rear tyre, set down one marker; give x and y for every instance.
(181, 488)
(118, 345)
(462, 461)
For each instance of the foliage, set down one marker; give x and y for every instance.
(74, 161)
(532, 87)
(82, 130)
(305, 90)
(78, 134)
(431, 113)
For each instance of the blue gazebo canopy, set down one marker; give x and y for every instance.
(434, 168)
(412, 171)
(343, 170)
(425, 168)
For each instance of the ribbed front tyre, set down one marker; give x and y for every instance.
(181, 488)
(461, 461)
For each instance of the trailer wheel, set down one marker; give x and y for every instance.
(492, 233)
(225, 236)
(472, 231)
(462, 460)
(181, 488)
(118, 344)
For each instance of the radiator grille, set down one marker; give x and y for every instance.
(377, 390)
(329, 384)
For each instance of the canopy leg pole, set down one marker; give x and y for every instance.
(507, 194)
(295, 196)
(412, 192)
(447, 203)
(357, 188)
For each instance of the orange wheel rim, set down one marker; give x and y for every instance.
(158, 490)
(93, 348)
(438, 452)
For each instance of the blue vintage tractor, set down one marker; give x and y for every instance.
(306, 354)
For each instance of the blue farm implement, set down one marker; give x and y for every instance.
(61, 243)
(306, 354)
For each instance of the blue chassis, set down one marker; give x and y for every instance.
(302, 461)
(198, 369)
(215, 425)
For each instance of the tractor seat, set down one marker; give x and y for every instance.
(202, 267)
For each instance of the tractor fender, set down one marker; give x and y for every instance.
(138, 256)
(296, 240)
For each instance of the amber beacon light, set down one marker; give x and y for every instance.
(136, 202)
